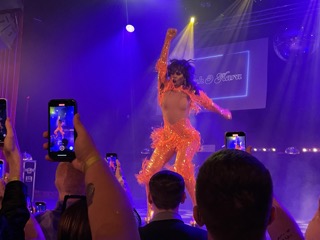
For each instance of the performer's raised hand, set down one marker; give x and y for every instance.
(171, 33)
(226, 114)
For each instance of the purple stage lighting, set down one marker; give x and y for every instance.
(130, 28)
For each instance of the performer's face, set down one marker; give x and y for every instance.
(177, 78)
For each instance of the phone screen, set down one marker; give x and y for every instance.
(40, 207)
(61, 129)
(3, 117)
(2, 171)
(111, 160)
(235, 140)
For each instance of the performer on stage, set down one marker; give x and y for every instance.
(59, 127)
(178, 96)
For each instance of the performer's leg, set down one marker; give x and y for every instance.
(160, 156)
(184, 166)
(62, 133)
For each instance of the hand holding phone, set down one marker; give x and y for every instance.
(3, 117)
(235, 140)
(62, 134)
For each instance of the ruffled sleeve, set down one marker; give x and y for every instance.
(203, 101)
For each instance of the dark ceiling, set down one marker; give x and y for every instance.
(204, 10)
(210, 14)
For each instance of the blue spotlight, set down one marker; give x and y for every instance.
(130, 28)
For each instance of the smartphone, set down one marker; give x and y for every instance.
(112, 161)
(3, 117)
(2, 169)
(61, 130)
(235, 140)
(40, 207)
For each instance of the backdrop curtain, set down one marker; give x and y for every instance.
(10, 58)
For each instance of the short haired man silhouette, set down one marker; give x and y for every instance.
(234, 194)
(68, 181)
(167, 192)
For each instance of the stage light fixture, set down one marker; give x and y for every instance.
(192, 19)
(292, 150)
(288, 150)
(130, 28)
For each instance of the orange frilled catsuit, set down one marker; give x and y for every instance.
(180, 138)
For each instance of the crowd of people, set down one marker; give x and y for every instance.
(234, 200)
(232, 194)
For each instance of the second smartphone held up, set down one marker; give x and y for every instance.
(62, 134)
(235, 140)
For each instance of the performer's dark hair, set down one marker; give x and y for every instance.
(188, 71)
(74, 222)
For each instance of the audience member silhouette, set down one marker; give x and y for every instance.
(74, 222)
(14, 213)
(167, 192)
(235, 200)
(234, 196)
(68, 181)
(109, 210)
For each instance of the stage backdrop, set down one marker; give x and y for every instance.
(234, 75)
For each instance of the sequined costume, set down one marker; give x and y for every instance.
(59, 128)
(177, 136)
(180, 138)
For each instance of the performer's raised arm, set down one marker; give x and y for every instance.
(161, 66)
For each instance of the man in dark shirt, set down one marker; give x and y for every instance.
(166, 192)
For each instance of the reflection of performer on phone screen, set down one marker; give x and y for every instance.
(59, 127)
(236, 143)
